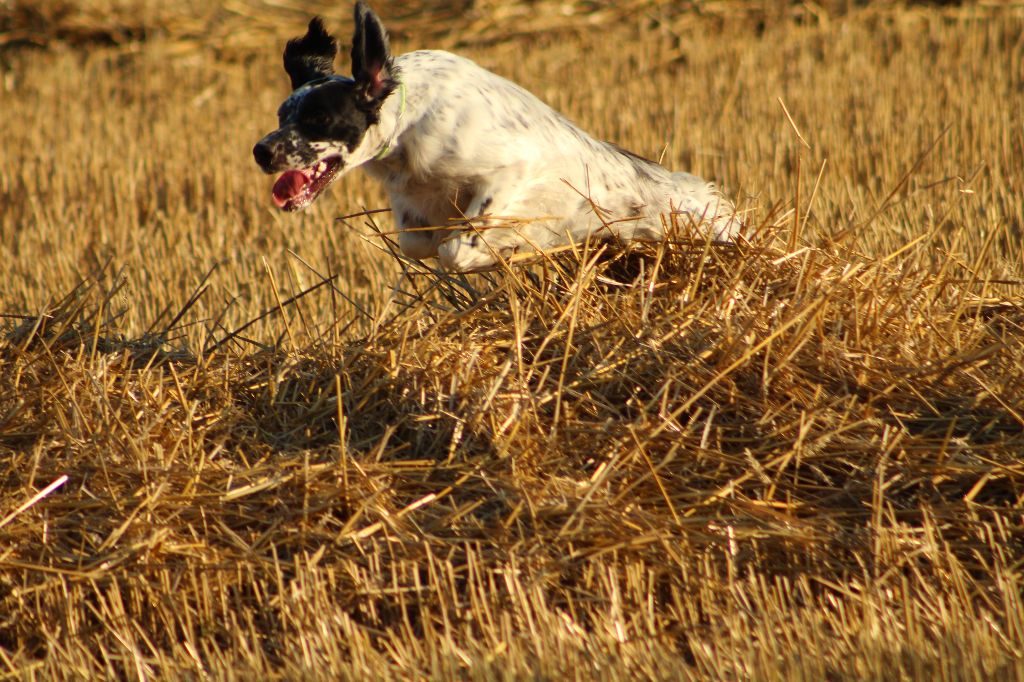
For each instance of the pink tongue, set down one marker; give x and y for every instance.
(288, 186)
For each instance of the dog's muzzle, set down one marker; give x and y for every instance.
(269, 155)
(300, 183)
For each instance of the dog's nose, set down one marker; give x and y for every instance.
(264, 154)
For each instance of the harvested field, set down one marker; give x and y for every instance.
(239, 444)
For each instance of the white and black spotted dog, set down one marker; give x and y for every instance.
(487, 167)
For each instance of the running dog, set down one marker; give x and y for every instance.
(477, 168)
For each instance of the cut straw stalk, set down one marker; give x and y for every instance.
(35, 498)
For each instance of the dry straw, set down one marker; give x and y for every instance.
(797, 457)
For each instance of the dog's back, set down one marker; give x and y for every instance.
(478, 133)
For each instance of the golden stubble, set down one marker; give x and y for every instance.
(288, 453)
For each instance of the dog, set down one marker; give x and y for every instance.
(476, 167)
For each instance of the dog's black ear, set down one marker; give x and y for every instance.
(371, 55)
(311, 56)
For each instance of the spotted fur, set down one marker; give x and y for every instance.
(487, 166)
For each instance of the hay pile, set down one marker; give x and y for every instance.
(712, 461)
(253, 446)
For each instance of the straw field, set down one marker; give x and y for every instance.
(240, 444)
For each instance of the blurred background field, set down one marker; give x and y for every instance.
(290, 456)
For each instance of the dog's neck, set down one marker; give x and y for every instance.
(399, 114)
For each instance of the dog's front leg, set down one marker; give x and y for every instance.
(417, 242)
(416, 239)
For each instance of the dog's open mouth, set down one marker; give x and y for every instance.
(297, 189)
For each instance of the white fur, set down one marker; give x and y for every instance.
(472, 145)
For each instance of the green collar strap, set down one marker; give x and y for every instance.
(386, 149)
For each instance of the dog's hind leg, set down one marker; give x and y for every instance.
(493, 231)
(468, 249)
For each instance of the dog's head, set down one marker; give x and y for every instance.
(329, 124)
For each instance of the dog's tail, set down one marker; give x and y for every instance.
(704, 200)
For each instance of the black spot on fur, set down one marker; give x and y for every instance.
(275, 151)
(486, 205)
(413, 219)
